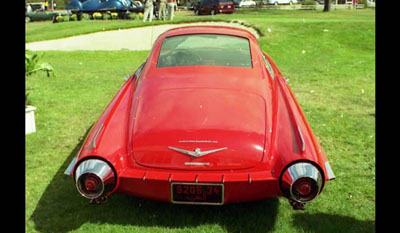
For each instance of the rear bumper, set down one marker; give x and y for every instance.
(238, 187)
(225, 10)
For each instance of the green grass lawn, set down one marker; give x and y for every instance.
(333, 80)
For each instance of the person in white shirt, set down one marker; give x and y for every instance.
(148, 10)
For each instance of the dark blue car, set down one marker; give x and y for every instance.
(89, 6)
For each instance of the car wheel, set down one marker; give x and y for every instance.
(212, 12)
(27, 19)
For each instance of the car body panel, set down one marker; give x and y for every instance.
(249, 115)
(43, 15)
(246, 3)
(214, 6)
(199, 116)
(89, 6)
(278, 2)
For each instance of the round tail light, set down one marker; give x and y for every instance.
(304, 189)
(301, 182)
(94, 178)
(90, 185)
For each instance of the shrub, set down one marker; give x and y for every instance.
(106, 16)
(97, 15)
(32, 66)
(114, 15)
(73, 17)
(364, 2)
(60, 18)
(85, 17)
(133, 16)
(309, 2)
(66, 18)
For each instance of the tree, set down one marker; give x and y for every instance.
(327, 5)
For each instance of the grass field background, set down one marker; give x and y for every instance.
(329, 59)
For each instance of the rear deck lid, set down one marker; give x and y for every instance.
(202, 129)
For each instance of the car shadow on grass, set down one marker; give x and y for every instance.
(322, 222)
(62, 209)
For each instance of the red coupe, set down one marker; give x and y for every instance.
(207, 119)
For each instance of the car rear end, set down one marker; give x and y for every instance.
(225, 6)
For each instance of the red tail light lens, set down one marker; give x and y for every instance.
(305, 189)
(90, 185)
(92, 182)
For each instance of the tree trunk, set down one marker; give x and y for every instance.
(327, 5)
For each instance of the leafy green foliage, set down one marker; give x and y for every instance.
(33, 66)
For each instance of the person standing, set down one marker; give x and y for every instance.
(171, 8)
(161, 10)
(148, 10)
(46, 5)
(28, 8)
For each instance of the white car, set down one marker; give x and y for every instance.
(247, 3)
(279, 2)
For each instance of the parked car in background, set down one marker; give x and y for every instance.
(88, 6)
(281, 2)
(247, 3)
(38, 13)
(40, 16)
(213, 7)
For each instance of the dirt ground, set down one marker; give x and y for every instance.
(127, 39)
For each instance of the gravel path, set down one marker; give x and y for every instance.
(127, 39)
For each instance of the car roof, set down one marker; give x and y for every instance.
(212, 29)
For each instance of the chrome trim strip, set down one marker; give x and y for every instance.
(303, 145)
(95, 136)
(331, 175)
(70, 166)
(196, 164)
(197, 141)
(198, 203)
(197, 152)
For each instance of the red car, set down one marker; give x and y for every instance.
(213, 7)
(207, 119)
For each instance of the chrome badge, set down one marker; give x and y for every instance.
(197, 152)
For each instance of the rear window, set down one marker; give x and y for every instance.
(205, 49)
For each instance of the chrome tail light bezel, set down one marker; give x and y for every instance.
(100, 169)
(301, 171)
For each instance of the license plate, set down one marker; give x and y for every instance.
(196, 193)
